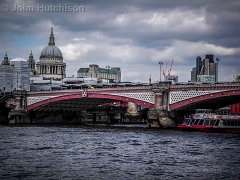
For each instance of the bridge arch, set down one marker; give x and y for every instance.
(209, 101)
(90, 96)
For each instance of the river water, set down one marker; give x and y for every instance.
(116, 153)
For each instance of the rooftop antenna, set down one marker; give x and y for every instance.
(150, 79)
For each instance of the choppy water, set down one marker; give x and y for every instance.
(114, 153)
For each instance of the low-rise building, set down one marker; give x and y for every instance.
(206, 78)
(172, 78)
(112, 74)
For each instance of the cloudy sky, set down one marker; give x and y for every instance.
(133, 35)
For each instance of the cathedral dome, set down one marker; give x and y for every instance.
(50, 65)
(51, 51)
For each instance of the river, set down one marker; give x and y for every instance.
(80, 152)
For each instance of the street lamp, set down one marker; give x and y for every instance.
(17, 79)
(216, 78)
(160, 63)
(108, 67)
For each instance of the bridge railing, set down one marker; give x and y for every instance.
(229, 84)
(94, 90)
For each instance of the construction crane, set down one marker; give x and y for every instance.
(169, 71)
(164, 73)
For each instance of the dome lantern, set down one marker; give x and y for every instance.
(51, 39)
(51, 51)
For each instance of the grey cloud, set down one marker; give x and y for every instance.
(222, 30)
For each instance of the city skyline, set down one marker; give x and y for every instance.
(134, 36)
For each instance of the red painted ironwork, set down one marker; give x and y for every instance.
(235, 109)
(198, 99)
(90, 95)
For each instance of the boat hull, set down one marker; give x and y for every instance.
(210, 128)
(205, 120)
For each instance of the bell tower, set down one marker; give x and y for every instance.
(6, 60)
(31, 64)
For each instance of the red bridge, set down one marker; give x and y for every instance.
(179, 97)
(156, 98)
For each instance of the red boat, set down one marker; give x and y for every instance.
(205, 120)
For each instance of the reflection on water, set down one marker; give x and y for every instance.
(116, 153)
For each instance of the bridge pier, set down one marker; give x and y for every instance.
(19, 114)
(160, 119)
(54, 117)
(159, 116)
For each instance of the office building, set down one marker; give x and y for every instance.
(193, 75)
(198, 65)
(210, 57)
(6, 75)
(14, 75)
(206, 70)
(21, 74)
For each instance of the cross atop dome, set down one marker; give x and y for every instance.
(51, 39)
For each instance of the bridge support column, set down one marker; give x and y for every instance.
(159, 117)
(19, 114)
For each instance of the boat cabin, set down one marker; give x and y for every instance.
(201, 122)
